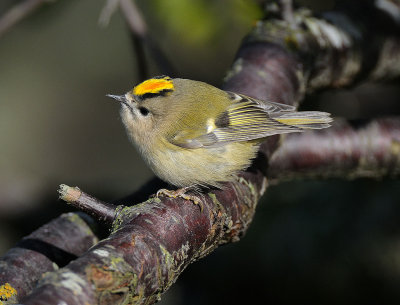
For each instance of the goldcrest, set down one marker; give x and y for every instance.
(193, 134)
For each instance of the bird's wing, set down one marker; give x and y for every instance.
(244, 119)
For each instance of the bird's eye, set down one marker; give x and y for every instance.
(144, 111)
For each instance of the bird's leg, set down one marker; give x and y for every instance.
(181, 193)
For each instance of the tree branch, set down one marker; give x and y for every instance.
(102, 211)
(368, 149)
(48, 248)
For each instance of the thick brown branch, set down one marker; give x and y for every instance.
(48, 248)
(341, 48)
(151, 244)
(371, 149)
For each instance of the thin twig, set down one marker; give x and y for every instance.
(17, 13)
(108, 10)
(100, 210)
(138, 27)
(140, 36)
(133, 17)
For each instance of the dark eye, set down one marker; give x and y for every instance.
(144, 111)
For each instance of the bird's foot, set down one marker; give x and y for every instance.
(182, 194)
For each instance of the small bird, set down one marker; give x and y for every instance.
(193, 135)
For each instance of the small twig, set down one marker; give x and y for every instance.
(17, 13)
(100, 210)
(108, 10)
(133, 17)
(139, 29)
(137, 26)
(140, 36)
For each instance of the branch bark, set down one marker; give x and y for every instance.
(367, 149)
(106, 210)
(50, 247)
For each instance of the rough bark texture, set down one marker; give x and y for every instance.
(48, 248)
(363, 149)
(153, 242)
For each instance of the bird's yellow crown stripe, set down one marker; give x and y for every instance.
(154, 85)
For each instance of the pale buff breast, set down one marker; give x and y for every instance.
(202, 166)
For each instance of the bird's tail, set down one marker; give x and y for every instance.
(305, 119)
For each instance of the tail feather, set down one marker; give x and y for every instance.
(305, 119)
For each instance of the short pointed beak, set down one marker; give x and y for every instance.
(119, 98)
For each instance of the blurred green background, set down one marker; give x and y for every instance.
(311, 241)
